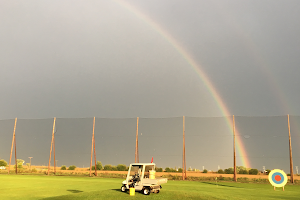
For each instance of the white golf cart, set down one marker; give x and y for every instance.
(141, 176)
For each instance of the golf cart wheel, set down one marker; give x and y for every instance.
(123, 188)
(146, 191)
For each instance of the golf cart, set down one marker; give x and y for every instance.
(141, 177)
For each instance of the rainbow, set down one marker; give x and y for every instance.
(196, 67)
(256, 54)
(254, 51)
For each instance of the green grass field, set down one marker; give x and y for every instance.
(64, 187)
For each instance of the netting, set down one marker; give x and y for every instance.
(209, 143)
(33, 138)
(6, 133)
(260, 141)
(115, 140)
(264, 141)
(73, 139)
(295, 137)
(161, 139)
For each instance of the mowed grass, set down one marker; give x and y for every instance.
(67, 187)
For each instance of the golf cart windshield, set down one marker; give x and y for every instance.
(136, 169)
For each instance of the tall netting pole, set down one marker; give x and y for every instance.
(183, 150)
(94, 147)
(54, 153)
(11, 150)
(91, 156)
(16, 160)
(136, 160)
(234, 153)
(12, 144)
(51, 144)
(291, 157)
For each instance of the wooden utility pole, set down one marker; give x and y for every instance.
(234, 153)
(12, 146)
(51, 145)
(30, 162)
(136, 160)
(93, 148)
(16, 155)
(291, 157)
(54, 153)
(183, 152)
(91, 156)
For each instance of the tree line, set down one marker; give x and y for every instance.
(122, 167)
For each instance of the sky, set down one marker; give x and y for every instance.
(114, 59)
(149, 59)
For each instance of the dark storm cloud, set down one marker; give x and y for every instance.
(97, 58)
(248, 48)
(75, 59)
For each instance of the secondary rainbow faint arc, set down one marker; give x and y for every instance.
(240, 147)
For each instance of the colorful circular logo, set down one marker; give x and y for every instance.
(277, 178)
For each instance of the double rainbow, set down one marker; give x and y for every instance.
(197, 68)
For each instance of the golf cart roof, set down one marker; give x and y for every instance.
(142, 164)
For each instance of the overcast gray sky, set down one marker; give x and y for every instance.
(98, 58)
(109, 59)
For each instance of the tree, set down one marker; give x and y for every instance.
(243, 171)
(229, 171)
(20, 163)
(220, 171)
(121, 167)
(98, 165)
(3, 163)
(63, 167)
(167, 169)
(108, 167)
(72, 167)
(240, 168)
(158, 169)
(204, 171)
(253, 171)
